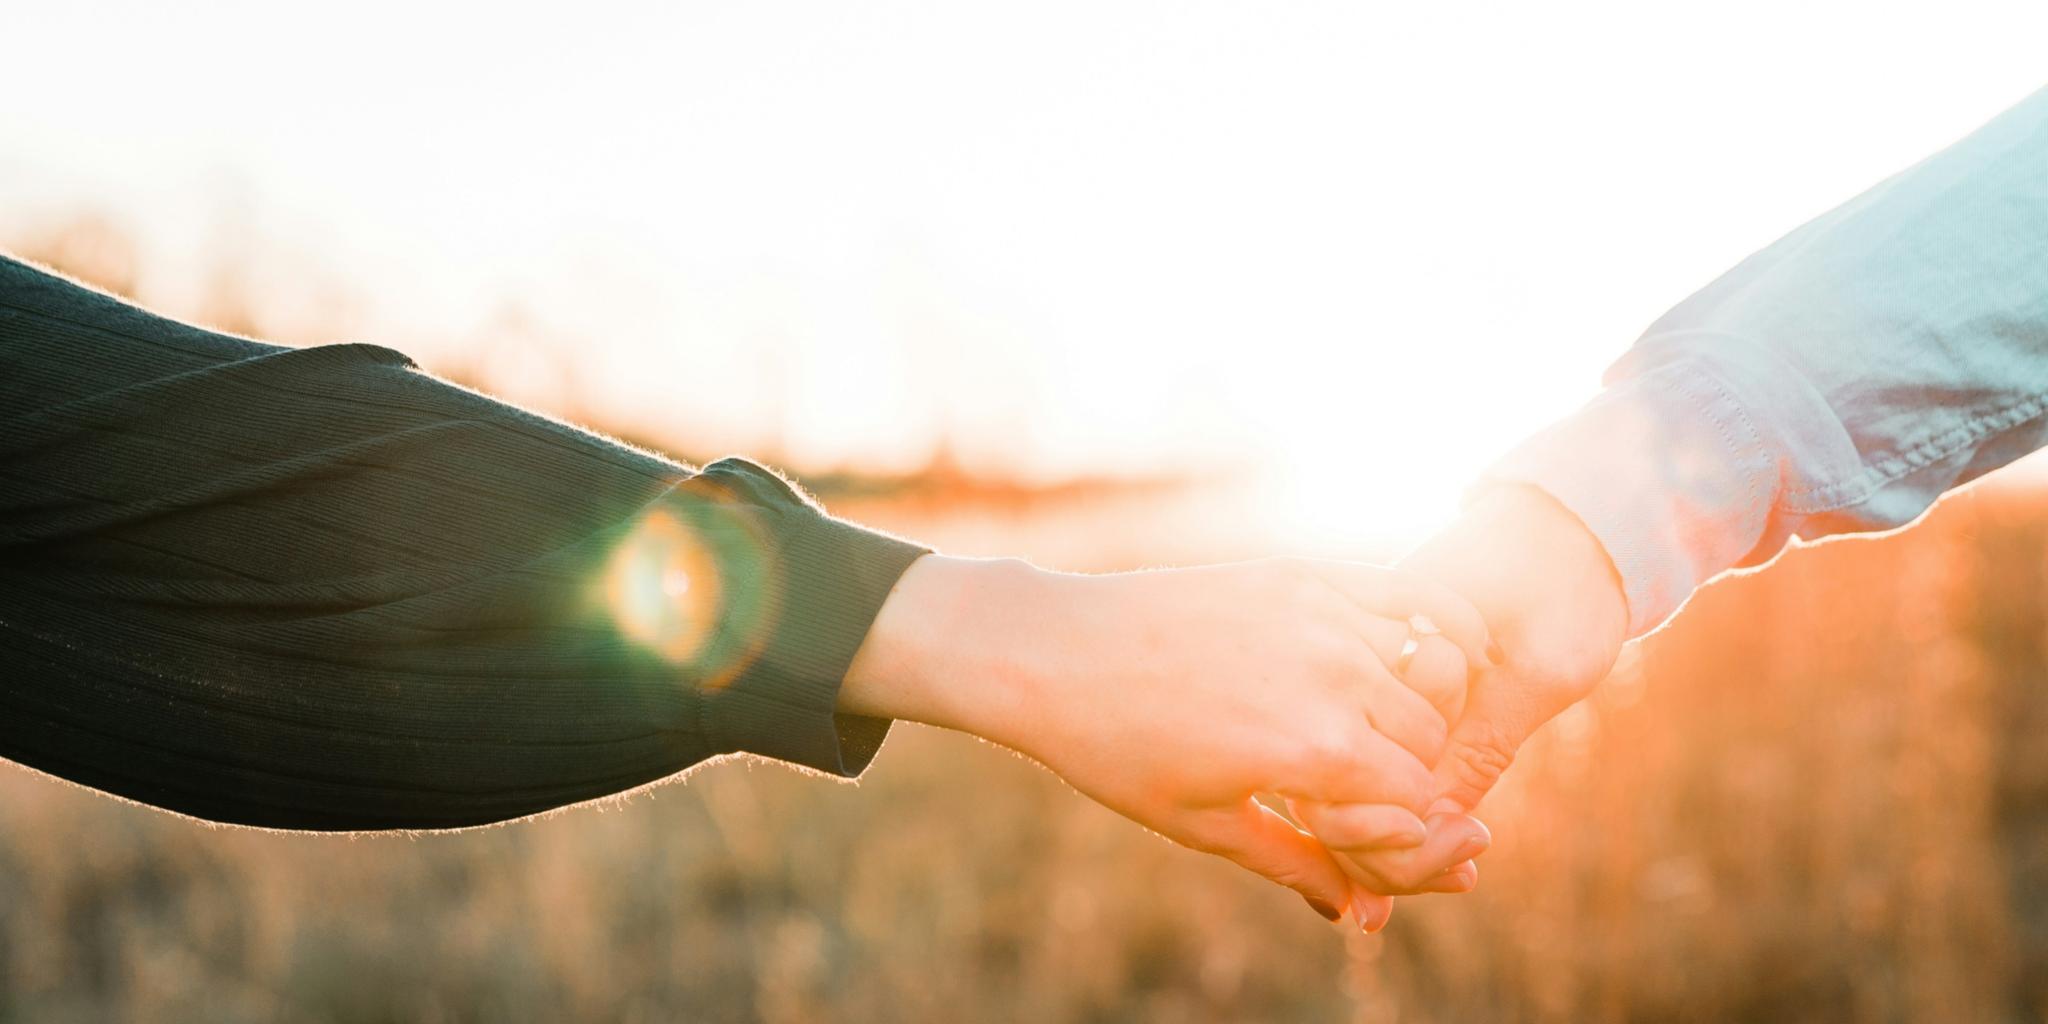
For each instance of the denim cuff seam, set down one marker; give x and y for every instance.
(1888, 468)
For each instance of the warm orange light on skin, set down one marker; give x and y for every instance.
(663, 588)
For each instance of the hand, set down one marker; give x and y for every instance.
(1174, 696)
(1406, 868)
(1557, 610)
(1549, 591)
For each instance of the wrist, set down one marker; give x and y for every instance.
(947, 649)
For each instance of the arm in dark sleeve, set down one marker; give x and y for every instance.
(318, 588)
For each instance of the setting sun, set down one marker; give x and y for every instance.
(1324, 238)
(1211, 472)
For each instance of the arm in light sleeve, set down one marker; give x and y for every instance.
(1839, 381)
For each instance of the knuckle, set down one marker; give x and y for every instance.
(1327, 753)
(1492, 743)
(1334, 752)
(1480, 762)
(1349, 743)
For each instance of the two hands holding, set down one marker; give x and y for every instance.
(1177, 697)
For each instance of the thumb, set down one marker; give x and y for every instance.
(1497, 720)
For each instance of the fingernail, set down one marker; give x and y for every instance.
(1329, 912)
(1472, 847)
(1493, 651)
(1445, 805)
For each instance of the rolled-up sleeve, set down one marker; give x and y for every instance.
(1839, 381)
(319, 588)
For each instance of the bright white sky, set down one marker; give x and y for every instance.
(1382, 240)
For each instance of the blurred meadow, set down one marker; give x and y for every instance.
(1104, 285)
(1821, 796)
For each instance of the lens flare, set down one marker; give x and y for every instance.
(695, 583)
(663, 587)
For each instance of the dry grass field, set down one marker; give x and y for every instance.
(1821, 796)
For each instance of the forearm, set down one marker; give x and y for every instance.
(321, 589)
(1839, 381)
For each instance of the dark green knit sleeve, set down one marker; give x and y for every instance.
(319, 588)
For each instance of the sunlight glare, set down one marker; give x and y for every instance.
(663, 588)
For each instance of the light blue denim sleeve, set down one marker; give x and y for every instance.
(1838, 381)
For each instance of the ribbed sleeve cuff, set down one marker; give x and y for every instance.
(826, 580)
(1667, 471)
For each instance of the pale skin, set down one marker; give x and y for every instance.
(1176, 697)
(1548, 590)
